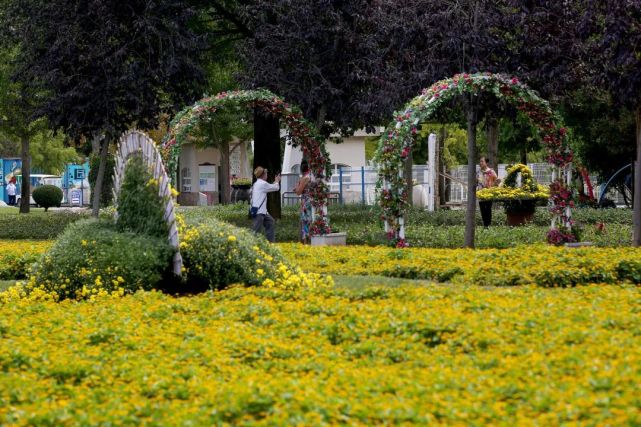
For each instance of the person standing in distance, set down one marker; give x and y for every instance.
(259, 200)
(486, 178)
(11, 192)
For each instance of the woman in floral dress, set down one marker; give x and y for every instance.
(303, 189)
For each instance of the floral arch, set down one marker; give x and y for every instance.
(301, 134)
(396, 143)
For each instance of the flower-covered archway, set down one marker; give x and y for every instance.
(396, 143)
(301, 134)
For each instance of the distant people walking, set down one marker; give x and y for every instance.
(11, 192)
(259, 200)
(303, 190)
(485, 178)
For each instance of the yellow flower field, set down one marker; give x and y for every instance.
(438, 355)
(533, 264)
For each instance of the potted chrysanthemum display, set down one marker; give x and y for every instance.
(519, 201)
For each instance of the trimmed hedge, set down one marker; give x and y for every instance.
(37, 225)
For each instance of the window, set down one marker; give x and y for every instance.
(207, 178)
(185, 178)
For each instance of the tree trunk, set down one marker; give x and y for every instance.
(97, 190)
(443, 197)
(95, 144)
(267, 154)
(493, 142)
(523, 154)
(407, 175)
(470, 214)
(320, 118)
(225, 185)
(636, 241)
(25, 192)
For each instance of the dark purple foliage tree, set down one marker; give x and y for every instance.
(612, 30)
(105, 65)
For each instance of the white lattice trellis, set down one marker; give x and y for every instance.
(136, 142)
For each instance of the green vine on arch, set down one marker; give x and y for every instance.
(301, 134)
(396, 142)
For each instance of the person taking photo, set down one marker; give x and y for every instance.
(261, 187)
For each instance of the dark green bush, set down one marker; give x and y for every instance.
(37, 225)
(217, 254)
(47, 196)
(140, 209)
(629, 270)
(95, 255)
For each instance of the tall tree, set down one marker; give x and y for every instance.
(15, 122)
(612, 31)
(104, 64)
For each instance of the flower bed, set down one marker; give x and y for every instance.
(535, 264)
(409, 356)
(17, 256)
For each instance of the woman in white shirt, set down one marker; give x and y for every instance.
(11, 192)
(259, 200)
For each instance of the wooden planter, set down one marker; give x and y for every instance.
(331, 239)
(519, 212)
(515, 218)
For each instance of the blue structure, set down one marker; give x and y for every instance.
(75, 184)
(75, 181)
(9, 168)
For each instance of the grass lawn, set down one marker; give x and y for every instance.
(4, 284)
(9, 211)
(357, 283)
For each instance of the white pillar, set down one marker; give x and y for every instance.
(431, 163)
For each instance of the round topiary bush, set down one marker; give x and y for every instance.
(47, 196)
(217, 255)
(93, 257)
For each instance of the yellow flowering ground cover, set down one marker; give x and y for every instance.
(437, 355)
(543, 265)
(16, 256)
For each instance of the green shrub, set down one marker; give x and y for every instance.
(140, 209)
(629, 270)
(95, 256)
(15, 267)
(217, 254)
(37, 225)
(47, 196)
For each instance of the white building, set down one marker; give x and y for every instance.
(199, 172)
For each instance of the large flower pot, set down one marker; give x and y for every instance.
(331, 239)
(515, 218)
(240, 193)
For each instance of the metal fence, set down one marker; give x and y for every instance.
(358, 185)
(542, 172)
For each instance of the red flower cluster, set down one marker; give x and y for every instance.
(559, 236)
